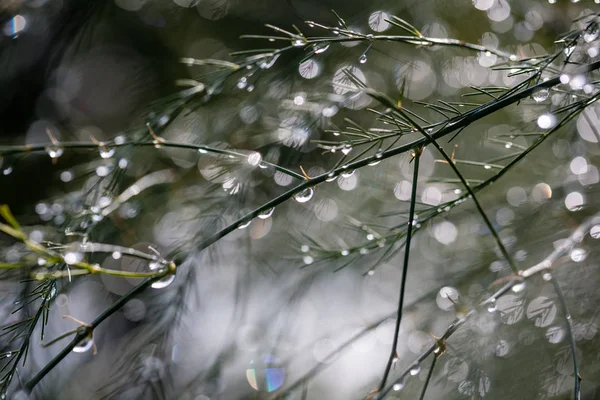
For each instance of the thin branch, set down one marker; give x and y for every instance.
(569, 322)
(411, 219)
(429, 374)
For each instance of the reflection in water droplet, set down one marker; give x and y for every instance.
(304, 195)
(362, 59)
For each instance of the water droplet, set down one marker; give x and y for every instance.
(508, 145)
(304, 195)
(415, 370)
(374, 163)
(55, 152)
(578, 255)
(307, 260)
(298, 43)
(269, 62)
(320, 48)
(244, 224)
(254, 158)
(492, 306)
(589, 37)
(370, 236)
(547, 276)
(519, 287)
(540, 95)
(569, 50)
(331, 177)
(347, 149)
(370, 272)
(304, 248)
(487, 166)
(364, 251)
(106, 152)
(267, 213)
(84, 345)
(347, 174)
(398, 386)
(595, 232)
(242, 83)
(345, 253)
(73, 257)
(164, 281)
(116, 255)
(362, 59)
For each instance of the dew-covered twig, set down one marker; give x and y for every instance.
(574, 238)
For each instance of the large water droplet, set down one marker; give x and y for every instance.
(298, 43)
(244, 224)
(164, 281)
(320, 48)
(347, 149)
(106, 152)
(84, 345)
(267, 213)
(304, 195)
(519, 287)
(254, 158)
(55, 152)
(415, 369)
(242, 83)
(362, 59)
(540, 95)
(547, 276)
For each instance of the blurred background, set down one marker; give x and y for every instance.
(301, 303)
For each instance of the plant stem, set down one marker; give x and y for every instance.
(568, 320)
(85, 333)
(411, 219)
